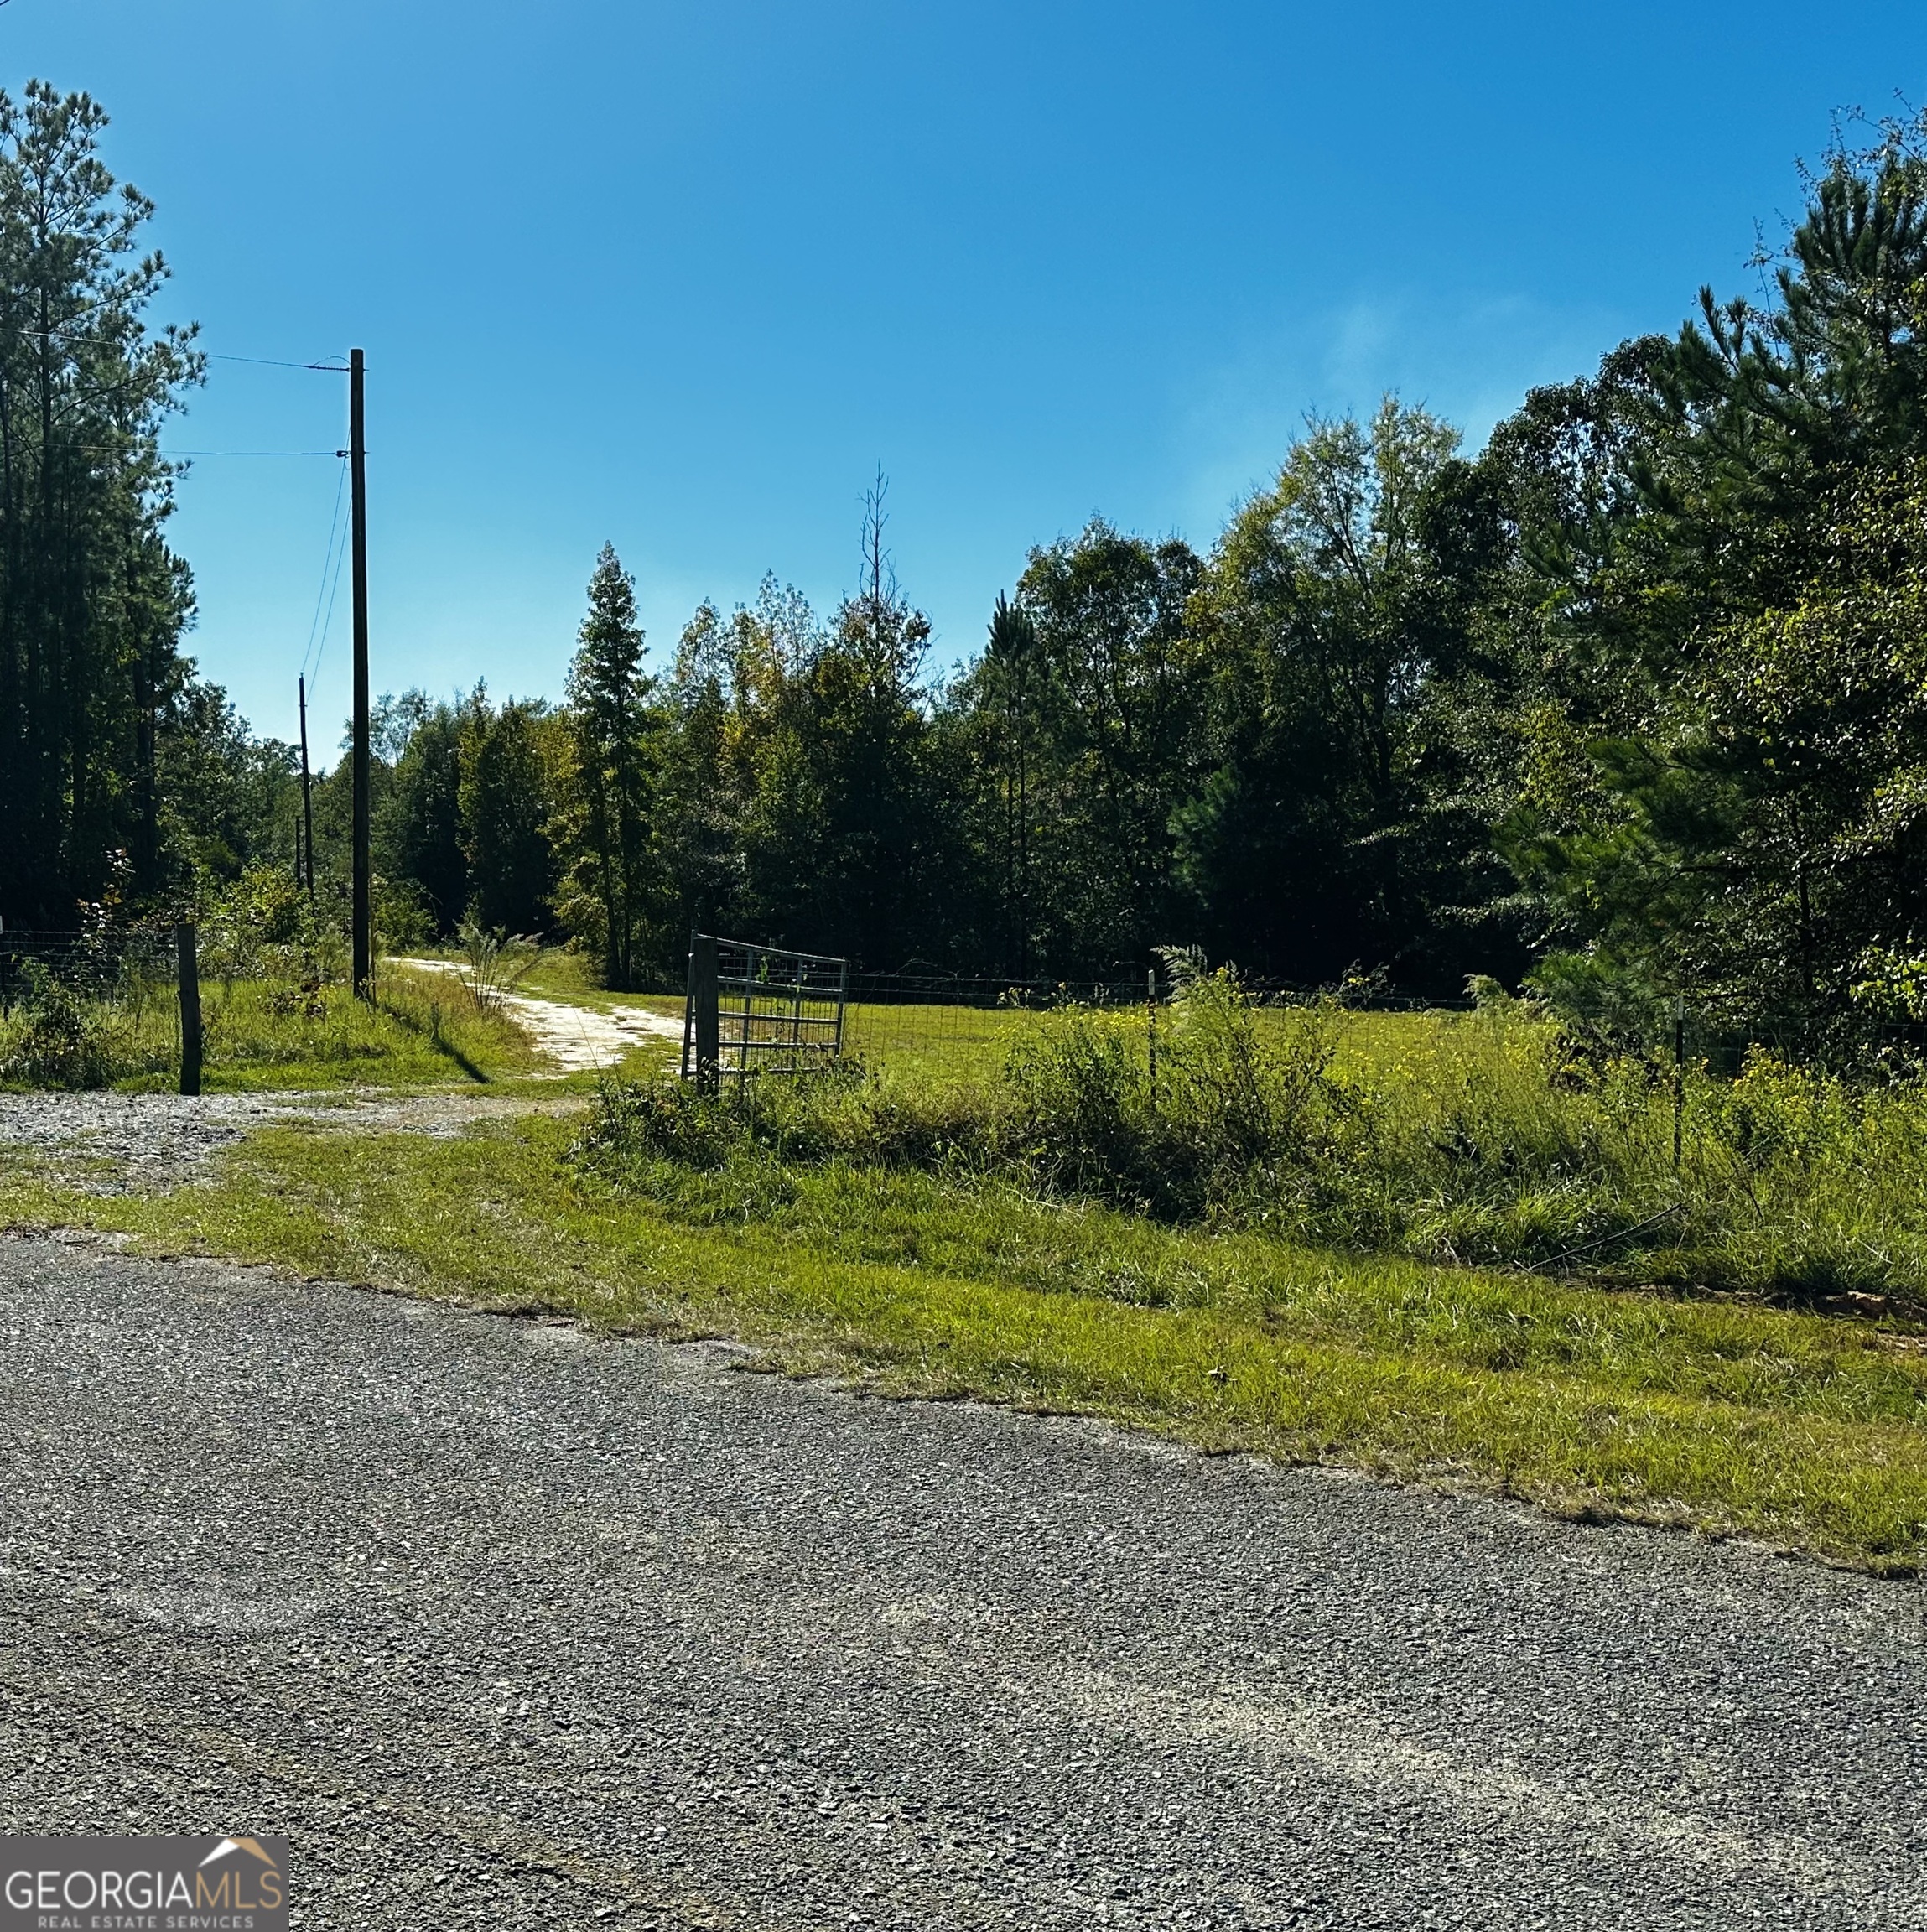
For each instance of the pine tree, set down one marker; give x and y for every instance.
(92, 602)
(608, 698)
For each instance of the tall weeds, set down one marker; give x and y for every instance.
(1496, 1138)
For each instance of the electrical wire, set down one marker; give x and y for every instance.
(274, 362)
(208, 354)
(174, 455)
(333, 559)
(330, 582)
(327, 622)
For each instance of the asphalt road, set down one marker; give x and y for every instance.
(507, 1627)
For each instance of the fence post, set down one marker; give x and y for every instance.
(190, 1035)
(1150, 1029)
(705, 1022)
(1678, 1073)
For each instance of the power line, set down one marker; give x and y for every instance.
(209, 355)
(320, 650)
(178, 455)
(275, 362)
(327, 562)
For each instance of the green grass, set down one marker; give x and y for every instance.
(970, 1220)
(1487, 1137)
(262, 1034)
(934, 1045)
(1807, 1431)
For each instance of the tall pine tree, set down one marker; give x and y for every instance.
(608, 699)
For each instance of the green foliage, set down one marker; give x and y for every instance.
(506, 794)
(97, 707)
(264, 926)
(53, 1037)
(496, 963)
(805, 790)
(1493, 1136)
(1765, 837)
(1721, 538)
(611, 891)
(1109, 689)
(417, 820)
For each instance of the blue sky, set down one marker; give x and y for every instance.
(682, 276)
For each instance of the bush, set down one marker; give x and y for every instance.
(1231, 1116)
(265, 927)
(54, 1038)
(844, 1115)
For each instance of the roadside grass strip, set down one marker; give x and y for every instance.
(1805, 1432)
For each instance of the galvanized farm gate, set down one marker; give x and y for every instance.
(759, 1010)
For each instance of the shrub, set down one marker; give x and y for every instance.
(55, 1038)
(498, 962)
(1498, 1135)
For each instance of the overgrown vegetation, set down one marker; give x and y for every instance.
(276, 1007)
(1498, 1135)
(263, 1032)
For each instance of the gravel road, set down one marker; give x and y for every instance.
(509, 1626)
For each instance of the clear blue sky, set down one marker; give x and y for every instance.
(682, 276)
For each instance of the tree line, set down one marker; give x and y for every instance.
(1629, 702)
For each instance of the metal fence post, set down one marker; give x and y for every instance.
(1150, 1029)
(189, 967)
(705, 1019)
(1679, 1074)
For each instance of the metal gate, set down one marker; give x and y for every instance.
(759, 1010)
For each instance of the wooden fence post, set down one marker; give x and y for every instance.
(706, 1030)
(190, 1034)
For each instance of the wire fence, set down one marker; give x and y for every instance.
(76, 1010)
(115, 966)
(948, 1026)
(788, 1012)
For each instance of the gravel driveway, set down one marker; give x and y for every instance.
(575, 1038)
(508, 1627)
(147, 1142)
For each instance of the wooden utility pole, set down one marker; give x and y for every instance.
(358, 523)
(307, 794)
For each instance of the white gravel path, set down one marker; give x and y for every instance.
(577, 1039)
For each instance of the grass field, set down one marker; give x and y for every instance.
(262, 1034)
